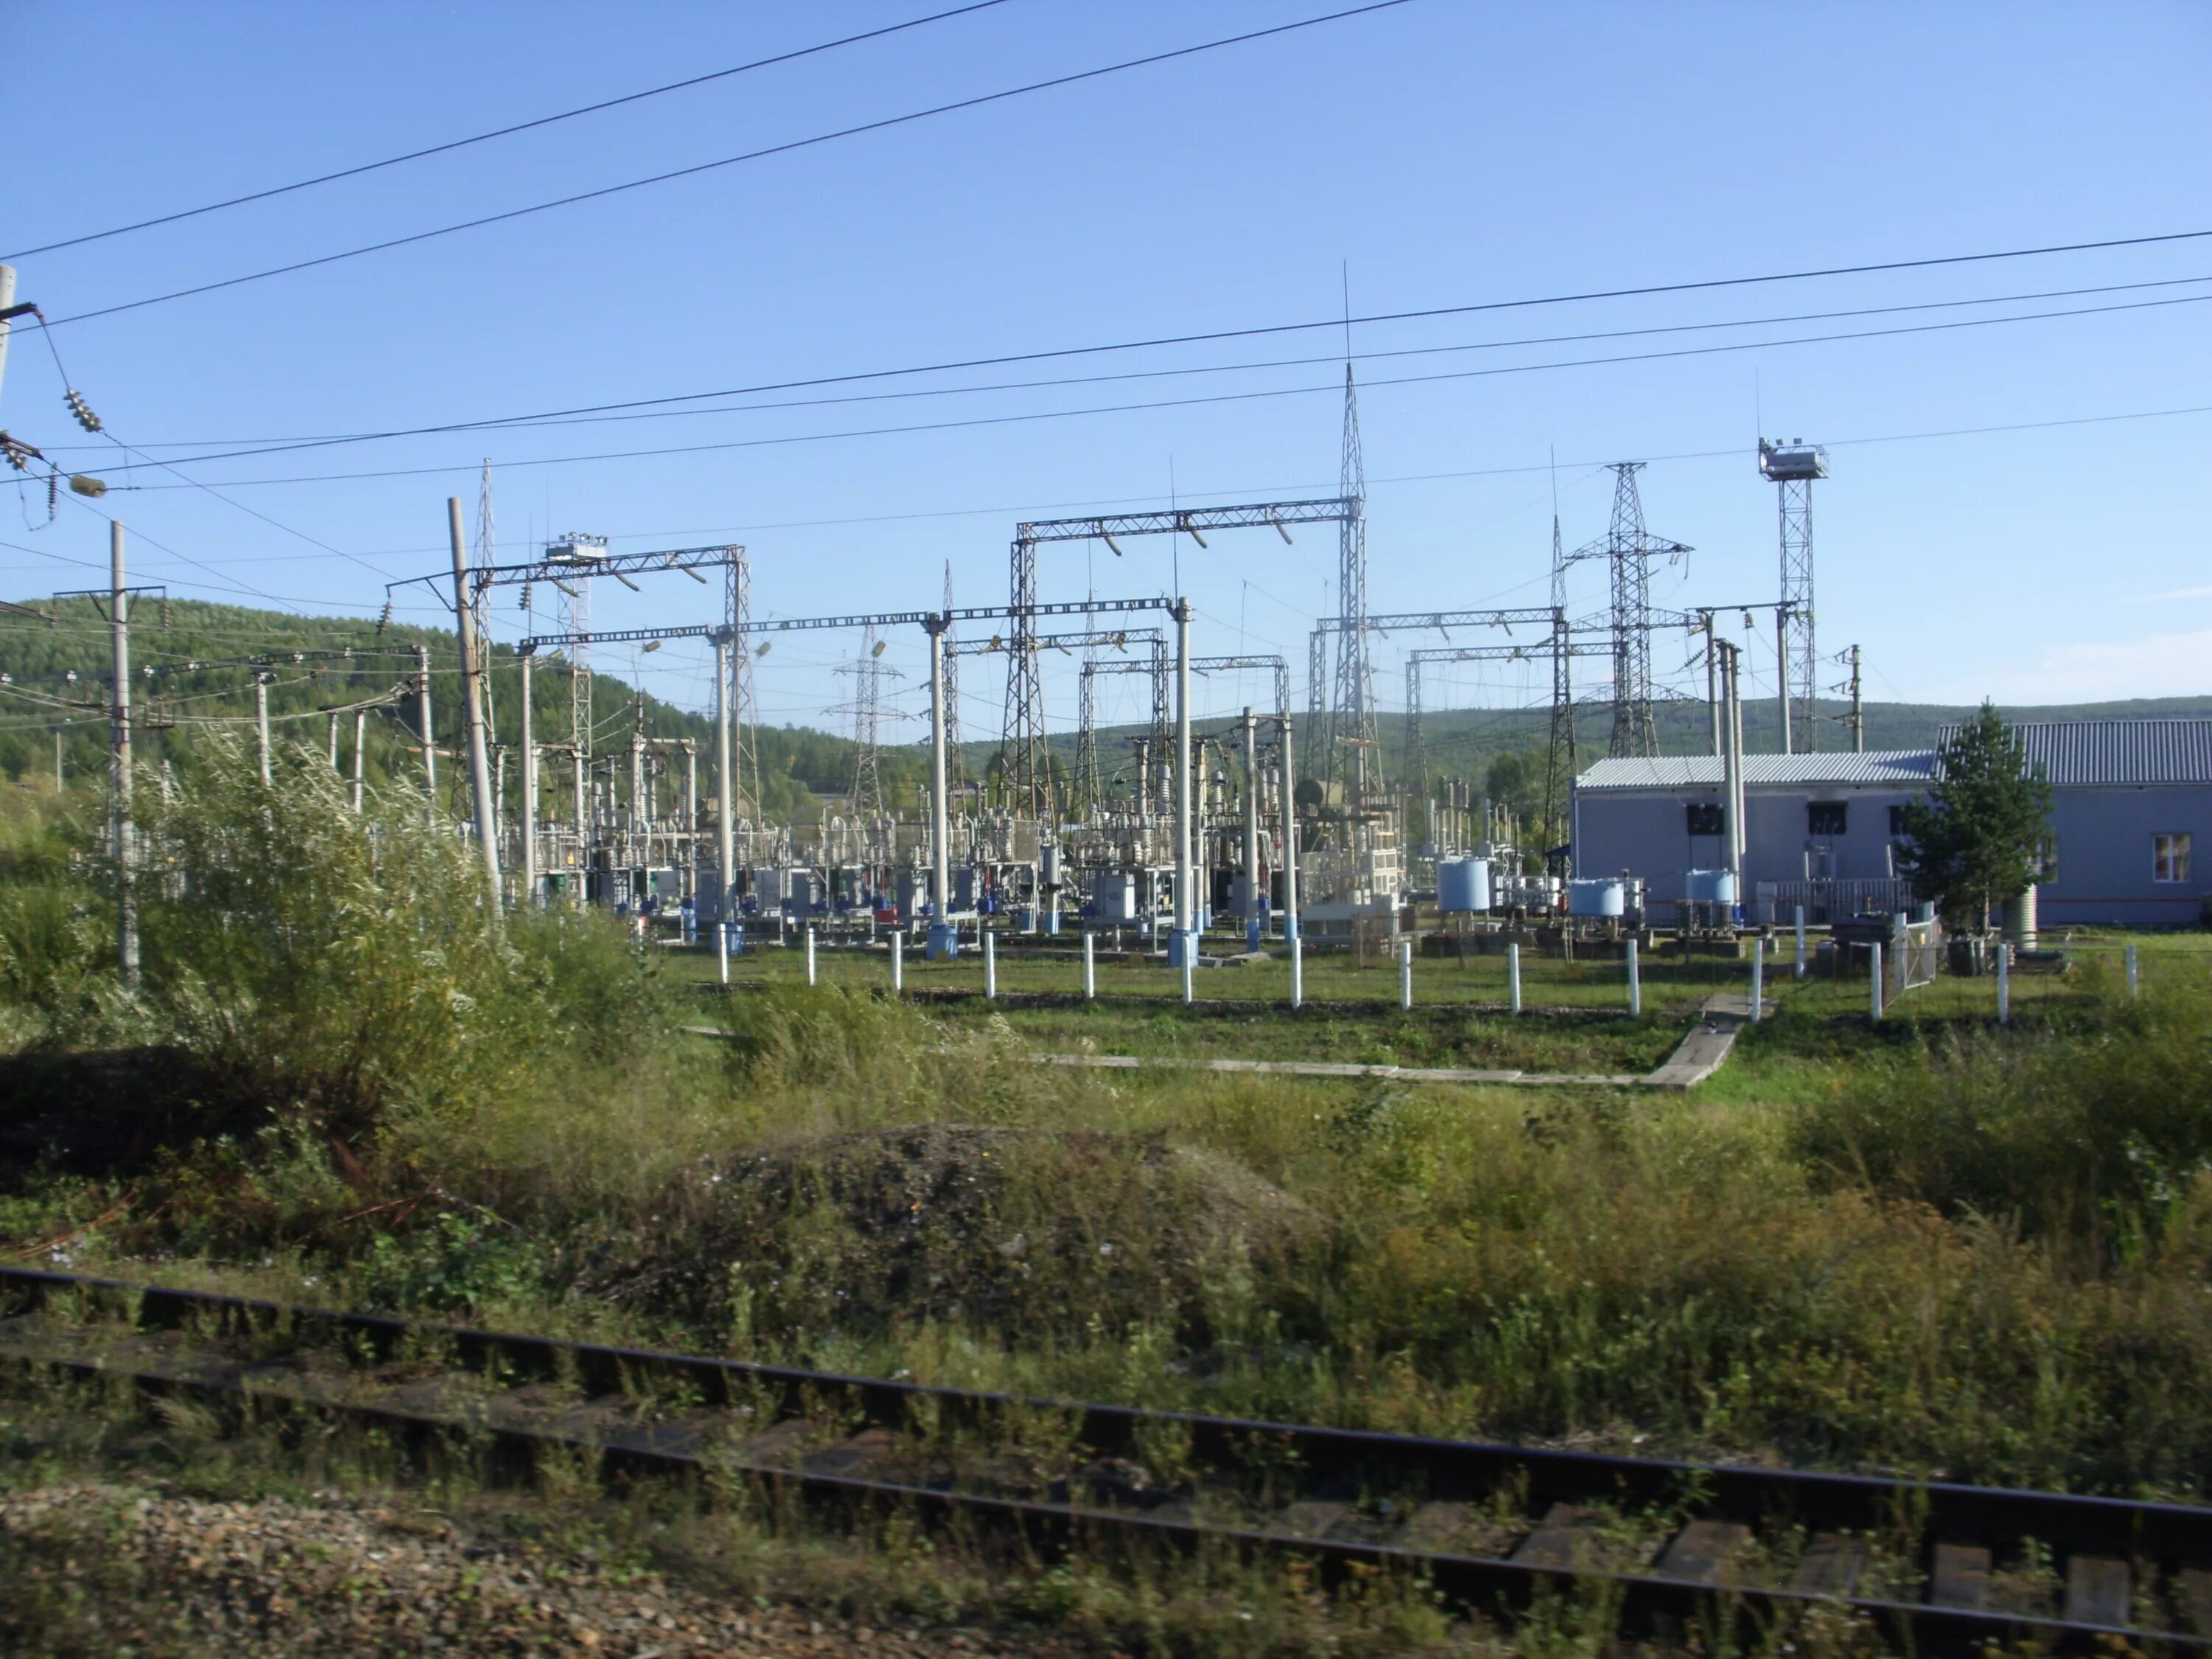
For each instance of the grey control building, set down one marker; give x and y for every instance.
(2131, 803)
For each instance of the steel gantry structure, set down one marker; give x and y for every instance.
(1025, 763)
(570, 563)
(1087, 755)
(938, 624)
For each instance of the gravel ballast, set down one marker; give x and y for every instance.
(138, 1570)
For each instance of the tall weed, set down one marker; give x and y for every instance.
(2088, 1134)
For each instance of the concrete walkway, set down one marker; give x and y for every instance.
(1721, 1020)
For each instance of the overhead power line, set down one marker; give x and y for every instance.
(784, 149)
(1333, 388)
(502, 132)
(1007, 360)
(275, 445)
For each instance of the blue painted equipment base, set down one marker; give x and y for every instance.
(1253, 931)
(1181, 945)
(944, 943)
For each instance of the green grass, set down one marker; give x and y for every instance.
(1602, 1044)
(1671, 986)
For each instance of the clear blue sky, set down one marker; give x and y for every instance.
(1445, 152)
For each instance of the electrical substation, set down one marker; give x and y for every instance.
(1195, 841)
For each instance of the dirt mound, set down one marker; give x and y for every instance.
(984, 1226)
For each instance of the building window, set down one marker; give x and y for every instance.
(1826, 818)
(2169, 858)
(1896, 820)
(1707, 818)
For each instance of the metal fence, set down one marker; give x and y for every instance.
(1826, 902)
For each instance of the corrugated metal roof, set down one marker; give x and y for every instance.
(2116, 751)
(1901, 766)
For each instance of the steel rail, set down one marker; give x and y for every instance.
(2107, 1543)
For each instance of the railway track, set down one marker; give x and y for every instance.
(1745, 1554)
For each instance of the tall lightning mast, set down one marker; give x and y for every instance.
(1791, 468)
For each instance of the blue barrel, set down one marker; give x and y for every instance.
(1597, 895)
(1463, 886)
(1710, 887)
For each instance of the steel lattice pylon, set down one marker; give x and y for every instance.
(867, 711)
(1628, 549)
(1024, 758)
(1792, 468)
(1356, 756)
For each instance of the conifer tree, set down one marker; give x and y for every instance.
(1978, 839)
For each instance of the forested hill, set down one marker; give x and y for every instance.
(204, 658)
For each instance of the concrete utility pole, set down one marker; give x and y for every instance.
(126, 909)
(7, 302)
(725, 855)
(423, 730)
(1732, 762)
(464, 618)
(942, 943)
(1712, 683)
(1252, 890)
(1186, 906)
(1858, 708)
(691, 807)
(529, 789)
(334, 739)
(261, 725)
(1782, 673)
(360, 761)
(1288, 854)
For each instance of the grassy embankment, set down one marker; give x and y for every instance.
(1936, 1246)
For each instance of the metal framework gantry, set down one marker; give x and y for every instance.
(1024, 761)
(1553, 651)
(1792, 468)
(1628, 549)
(938, 624)
(570, 564)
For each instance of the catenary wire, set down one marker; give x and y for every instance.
(503, 132)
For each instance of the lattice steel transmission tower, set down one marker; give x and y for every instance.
(868, 673)
(1628, 549)
(1356, 760)
(1791, 468)
(1089, 788)
(1025, 757)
